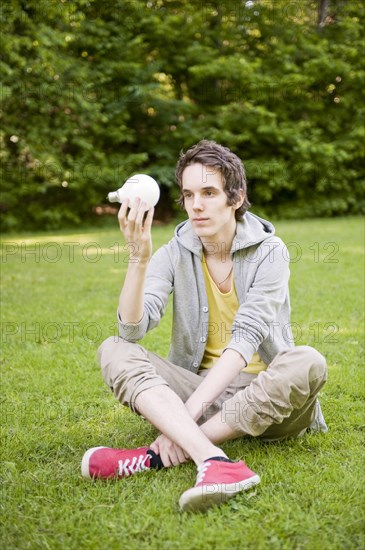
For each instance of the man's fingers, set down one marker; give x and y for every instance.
(181, 456)
(155, 448)
(174, 458)
(177, 455)
(140, 213)
(148, 221)
(170, 453)
(165, 458)
(134, 209)
(122, 214)
(186, 456)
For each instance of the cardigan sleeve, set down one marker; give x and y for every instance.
(257, 316)
(158, 286)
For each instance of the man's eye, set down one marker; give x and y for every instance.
(187, 196)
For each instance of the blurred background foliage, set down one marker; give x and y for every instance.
(94, 91)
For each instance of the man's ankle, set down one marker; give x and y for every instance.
(215, 452)
(219, 459)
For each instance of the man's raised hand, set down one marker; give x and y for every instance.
(136, 229)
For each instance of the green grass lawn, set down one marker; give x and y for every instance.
(59, 300)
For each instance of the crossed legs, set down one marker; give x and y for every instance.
(277, 403)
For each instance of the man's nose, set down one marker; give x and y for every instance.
(197, 203)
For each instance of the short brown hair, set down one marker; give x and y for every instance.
(209, 153)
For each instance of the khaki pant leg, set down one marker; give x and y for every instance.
(128, 369)
(280, 402)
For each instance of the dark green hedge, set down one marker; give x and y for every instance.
(94, 91)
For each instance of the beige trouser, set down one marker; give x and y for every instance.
(277, 403)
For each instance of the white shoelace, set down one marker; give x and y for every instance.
(202, 468)
(137, 464)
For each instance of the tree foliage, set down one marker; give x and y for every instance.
(94, 91)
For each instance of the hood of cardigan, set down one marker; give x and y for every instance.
(250, 230)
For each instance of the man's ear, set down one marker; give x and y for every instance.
(240, 200)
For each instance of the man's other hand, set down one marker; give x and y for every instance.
(170, 453)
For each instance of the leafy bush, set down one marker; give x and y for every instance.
(93, 92)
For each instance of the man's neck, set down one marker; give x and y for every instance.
(219, 246)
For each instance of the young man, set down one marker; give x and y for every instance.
(232, 369)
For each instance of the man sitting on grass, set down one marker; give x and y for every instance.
(233, 370)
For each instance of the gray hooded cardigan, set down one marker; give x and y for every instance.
(261, 276)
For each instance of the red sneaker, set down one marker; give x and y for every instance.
(106, 462)
(217, 482)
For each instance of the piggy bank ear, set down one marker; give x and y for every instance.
(140, 185)
(122, 193)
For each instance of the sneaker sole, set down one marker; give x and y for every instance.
(85, 470)
(199, 499)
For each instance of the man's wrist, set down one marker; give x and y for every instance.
(194, 411)
(135, 263)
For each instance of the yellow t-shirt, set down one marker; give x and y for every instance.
(222, 311)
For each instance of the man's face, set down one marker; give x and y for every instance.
(206, 202)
